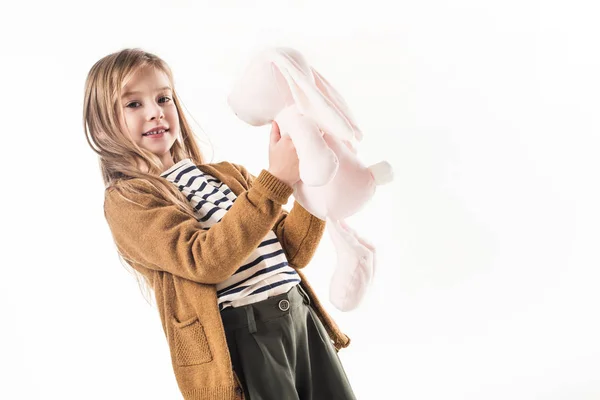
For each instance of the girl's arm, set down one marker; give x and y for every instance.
(154, 233)
(298, 231)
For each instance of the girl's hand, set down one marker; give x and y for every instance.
(283, 160)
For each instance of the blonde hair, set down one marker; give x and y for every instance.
(119, 156)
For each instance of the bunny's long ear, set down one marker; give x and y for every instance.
(310, 99)
(338, 101)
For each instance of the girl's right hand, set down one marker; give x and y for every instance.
(283, 159)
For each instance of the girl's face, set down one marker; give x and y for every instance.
(147, 106)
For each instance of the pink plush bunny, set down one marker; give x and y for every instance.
(278, 84)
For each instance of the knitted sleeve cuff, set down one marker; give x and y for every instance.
(273, 187)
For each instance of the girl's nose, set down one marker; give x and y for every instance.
(156, 113)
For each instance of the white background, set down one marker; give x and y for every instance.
(487, 239)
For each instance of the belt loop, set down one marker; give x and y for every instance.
(304, 294)
(250, 316)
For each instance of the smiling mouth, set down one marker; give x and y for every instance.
(155, 132)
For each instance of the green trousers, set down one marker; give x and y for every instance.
(280, 350)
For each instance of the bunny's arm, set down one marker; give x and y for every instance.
(318, 164)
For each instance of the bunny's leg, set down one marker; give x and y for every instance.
(355, 265)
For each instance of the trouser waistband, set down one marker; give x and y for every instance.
(273, 307)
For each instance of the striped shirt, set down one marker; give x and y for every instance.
(266, 272)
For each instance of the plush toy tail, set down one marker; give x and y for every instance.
(355, 268)
(382, 172)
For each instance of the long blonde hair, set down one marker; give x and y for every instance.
(119, 156)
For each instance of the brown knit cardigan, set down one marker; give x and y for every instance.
(183, 263)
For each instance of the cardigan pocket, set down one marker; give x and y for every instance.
(191, 345)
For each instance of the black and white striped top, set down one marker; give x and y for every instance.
(266, 272)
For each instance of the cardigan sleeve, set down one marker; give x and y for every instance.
(152, 231)
(298, 231)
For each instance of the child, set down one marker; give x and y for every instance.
(214, 243)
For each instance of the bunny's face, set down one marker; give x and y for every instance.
(260, 94)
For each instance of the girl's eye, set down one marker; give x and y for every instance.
(162, 99)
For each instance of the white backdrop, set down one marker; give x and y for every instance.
(488, 277)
